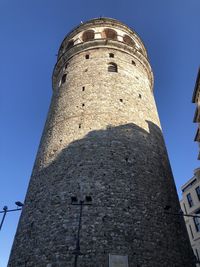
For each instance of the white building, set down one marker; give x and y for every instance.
(190, 205)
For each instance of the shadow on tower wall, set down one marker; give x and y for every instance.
(126, 171)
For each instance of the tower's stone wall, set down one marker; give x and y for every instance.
(102, 139)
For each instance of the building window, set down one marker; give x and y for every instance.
(87, 56)
(109, 34)
(197, 223)
(128, 40)
(140, 50)
(190, 201)
(112, 67)
(111, 55)
(63, 80)
(198, 191)
(88, 35)
(70, 44)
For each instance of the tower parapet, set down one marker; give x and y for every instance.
(101, 32)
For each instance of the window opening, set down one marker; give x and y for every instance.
(190, 201)
(70, 44)
(109, 34)
(133, 62)
(83, 105)
(63, 80)
(88, 35)
(111, 55)
(140, 96)
(197, 189)
(87, 56)
(112, 67)
(140, 50)
(79, 126)
(197, 223)
(121, 100)
(128, 40)
(83, 88)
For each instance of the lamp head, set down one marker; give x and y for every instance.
(19, 204)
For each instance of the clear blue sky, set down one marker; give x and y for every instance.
(30, 35)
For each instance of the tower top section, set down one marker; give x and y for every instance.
(101, 32)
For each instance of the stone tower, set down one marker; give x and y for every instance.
(102, 180)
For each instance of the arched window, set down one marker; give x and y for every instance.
(63, 80)
(112, 67)
(140, 50)
(70, 44)
(128, 40)
(66, 65)
(109, 34)
(88, 35)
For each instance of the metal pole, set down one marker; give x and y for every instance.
(6, 210)
(77, 250)
(11, 210)
(4, 215)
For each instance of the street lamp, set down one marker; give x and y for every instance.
(81, 203)
(6, 210)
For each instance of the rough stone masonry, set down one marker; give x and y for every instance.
(102, 178)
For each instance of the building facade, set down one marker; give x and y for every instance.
(102, 178)
(196, 100)
(190, 205)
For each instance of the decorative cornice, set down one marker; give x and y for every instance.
(105, 22)
(100, 43)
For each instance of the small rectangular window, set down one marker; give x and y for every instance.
(133, 62)
(190, 201)
(198, 192)
(87, 56)
(197, 223)
(63, 80)
(112, 67)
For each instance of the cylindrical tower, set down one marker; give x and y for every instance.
(102, 180)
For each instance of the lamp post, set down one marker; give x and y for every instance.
(81, 203)
(6, 210)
